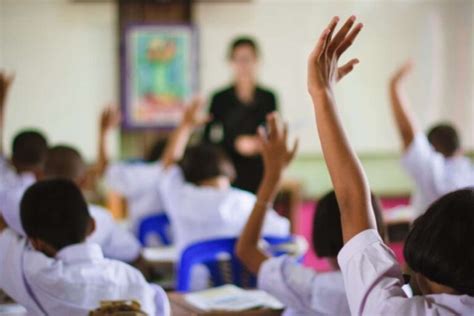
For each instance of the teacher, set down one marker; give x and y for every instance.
(238, 111)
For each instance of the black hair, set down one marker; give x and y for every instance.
(156, 150)
(440, 245)
(29, 148)
(445, 139)
(243, 41)
(64, 162)
(327, 228)
(206, 161)
(55, 212)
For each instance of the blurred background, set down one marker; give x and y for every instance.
(67, 58)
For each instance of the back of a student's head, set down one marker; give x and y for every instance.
(204, 162)
(54, 215)
(327, 229)
(445, 139)
(440, 245)
(64, 162)
(156, 150)
(29, 150)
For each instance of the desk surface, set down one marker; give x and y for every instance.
(179, 307)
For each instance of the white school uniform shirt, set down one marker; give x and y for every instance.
(8, 175)
(373, 281)
(116, 242)
(72, 283)
(137, 182)
(303, 291)
(434, 174)
(201, 213)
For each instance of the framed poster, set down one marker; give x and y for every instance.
(160, 74)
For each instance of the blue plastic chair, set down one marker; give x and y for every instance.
(158, 225)
(207, 253)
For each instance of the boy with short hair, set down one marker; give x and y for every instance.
(29, 148)
(65, 162)
(434, 161)
(197, 193)
(54, 271)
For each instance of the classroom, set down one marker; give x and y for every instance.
(236, 157)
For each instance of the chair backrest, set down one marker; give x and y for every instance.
(209, 254)
(158, 225)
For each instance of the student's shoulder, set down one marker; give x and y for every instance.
(241, 194)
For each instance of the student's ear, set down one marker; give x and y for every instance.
(90, 227)
(39, 174)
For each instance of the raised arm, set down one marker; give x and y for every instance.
(109, 119)
(5, 83)
(401, 111)
(192, 118)
(276, 156)
(348, 177)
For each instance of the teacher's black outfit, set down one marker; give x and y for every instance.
(235, 119)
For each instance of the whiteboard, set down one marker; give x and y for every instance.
(437, 35)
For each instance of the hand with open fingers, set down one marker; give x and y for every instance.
(274, 145)
(109, 118)
(323, 65)
(5, 83)
(193, 115)
(402, 72)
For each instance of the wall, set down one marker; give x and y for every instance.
(437, 35)
(64, 55)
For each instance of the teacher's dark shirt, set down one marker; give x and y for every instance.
(234, 119)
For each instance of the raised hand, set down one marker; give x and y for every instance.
(5, 83)
(274, 145)
(193, 115)
(402, 72)
(323, 65)
(109, 118)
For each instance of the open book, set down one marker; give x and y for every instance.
(232, 298)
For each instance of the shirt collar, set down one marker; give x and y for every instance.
(80, 252)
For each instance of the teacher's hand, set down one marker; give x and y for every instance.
(248, 145)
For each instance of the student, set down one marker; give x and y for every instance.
(29, 148)
(137, 181)
(302, 290)
(197, 192)
(439, 246)
(65, 162)
(434, 161)
(54, 271)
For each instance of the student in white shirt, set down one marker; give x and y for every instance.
(439, 246)
(66, 162)
(302, 290)
(135, 181)
(29, 147)
(54, 271)
(197, 193)
(434, 161)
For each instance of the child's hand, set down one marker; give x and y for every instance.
(275, 151)
(402, 72)
(323, 69)
(109, 118)
(5, 83)
(193, 116)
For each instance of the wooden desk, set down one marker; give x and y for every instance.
(179, 307)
